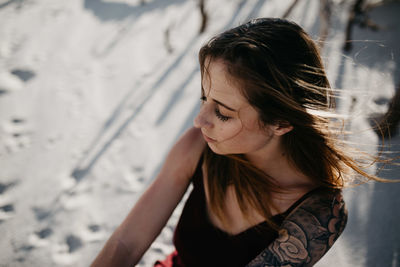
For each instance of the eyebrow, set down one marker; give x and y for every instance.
(218, 102)
(222, 104)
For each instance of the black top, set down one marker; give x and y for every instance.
(200, 243)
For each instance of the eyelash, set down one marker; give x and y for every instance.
(216, 110)
(220, 116)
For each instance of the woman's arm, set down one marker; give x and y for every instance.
(151, 212)
(307, 233)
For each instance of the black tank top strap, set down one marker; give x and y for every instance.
(197, 178)
(300, 200)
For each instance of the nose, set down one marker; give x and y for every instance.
(202, 120)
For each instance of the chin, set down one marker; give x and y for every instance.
(215, 149)
(220, 151)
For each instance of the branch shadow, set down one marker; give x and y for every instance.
(373, 210)
(109, 11)
(19, 3)
(178, 93)
(254, 12)
(176, 96)
(383, 239)
(79, 171)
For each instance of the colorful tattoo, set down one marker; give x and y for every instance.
(307, 233)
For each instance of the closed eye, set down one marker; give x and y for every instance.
(220, 116)
(218, 113)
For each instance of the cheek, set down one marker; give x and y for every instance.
(243, 142)
(229, 130)
(250, 121)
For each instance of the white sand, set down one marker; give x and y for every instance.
(93, 93)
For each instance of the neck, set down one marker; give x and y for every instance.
(274, 162)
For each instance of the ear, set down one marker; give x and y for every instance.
(282, 127)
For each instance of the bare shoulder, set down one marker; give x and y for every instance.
(191, 137)
(185, 154)
(191, 141)
(308, 232)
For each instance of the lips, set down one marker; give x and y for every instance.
(208, 139)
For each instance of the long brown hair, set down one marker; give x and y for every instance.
(281, 74)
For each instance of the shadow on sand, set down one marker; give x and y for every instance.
(383, 234)
(107, 11)
(374, 216)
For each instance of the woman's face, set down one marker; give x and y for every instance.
(230, 125)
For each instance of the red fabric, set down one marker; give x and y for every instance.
(168, 262)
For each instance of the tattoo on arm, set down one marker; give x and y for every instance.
(307, 233)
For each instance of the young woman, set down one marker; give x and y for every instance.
(265, 162)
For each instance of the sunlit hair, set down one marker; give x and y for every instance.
(280, 72)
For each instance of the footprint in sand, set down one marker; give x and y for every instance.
(41, 213)
(14, 80)
(6, 212)
(9, 83)
(44, 233)
(74, 243)
(134, 180)
(23, 74)
(6, 208)
(64, 254)
(94, 233)
(5, 186)
(40, 238)
(15, 134)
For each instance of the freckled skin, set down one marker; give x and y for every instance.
(241, 133)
